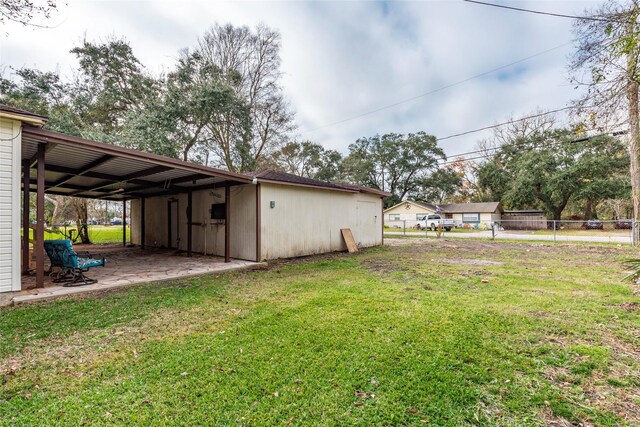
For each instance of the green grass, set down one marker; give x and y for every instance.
(99, 234)
(436, 332)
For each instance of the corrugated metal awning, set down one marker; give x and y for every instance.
(83, 168)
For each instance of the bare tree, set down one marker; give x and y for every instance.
(24, 11)
(249, 61)
(524, 127)
(606, 61)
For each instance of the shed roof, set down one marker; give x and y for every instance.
(80, 167)
(271, 175)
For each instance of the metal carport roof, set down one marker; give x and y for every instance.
(83, 168)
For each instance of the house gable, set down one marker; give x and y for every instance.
(407, 211)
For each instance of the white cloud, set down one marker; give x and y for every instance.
(343, 59)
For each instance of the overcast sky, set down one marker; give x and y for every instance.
(343, 59)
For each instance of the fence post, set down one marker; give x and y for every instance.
(554, 230)
(634, 240)
(493, 230)
(404, 227)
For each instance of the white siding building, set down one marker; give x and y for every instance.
(174, 204)
(9, 205)
(11, 121)
(280, 216)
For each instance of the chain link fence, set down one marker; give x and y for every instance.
(611, 231)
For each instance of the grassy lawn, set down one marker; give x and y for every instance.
(98, 234)
(421, 333)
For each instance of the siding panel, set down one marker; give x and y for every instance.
(9, 205)
(307, 221)
(208, 234)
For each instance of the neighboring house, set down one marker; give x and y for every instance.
(409, 212)
(174, 204)
(473, 213)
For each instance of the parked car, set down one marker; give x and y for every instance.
(434, 221)
(623, 224)
(593, 224)
(116, 221)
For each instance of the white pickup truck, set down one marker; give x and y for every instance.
(434, 221)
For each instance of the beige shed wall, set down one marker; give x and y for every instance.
(407, 214)
(307, 221)
(207, 234)
(10, 146)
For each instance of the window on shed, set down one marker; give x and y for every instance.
(448, 216)
(394, 217)
(470, 217)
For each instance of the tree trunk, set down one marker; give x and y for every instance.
(57, 217)
(588, 209)
(82, 216)
(634, 137)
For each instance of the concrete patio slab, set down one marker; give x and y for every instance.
(132, 266)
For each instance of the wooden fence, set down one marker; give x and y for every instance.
(524, 222)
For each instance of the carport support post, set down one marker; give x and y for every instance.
(142, 231)
(124, 223)
(26, 202)
(39, 236)
(189, 221)
(227, 222)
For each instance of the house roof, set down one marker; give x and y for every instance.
(426, 205)
(412, 202)
(471, 207)
(22, 115)
(278, 177)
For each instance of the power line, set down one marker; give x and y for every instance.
(539, 12)
(413, 98)
(485, 156)
(507, 123)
